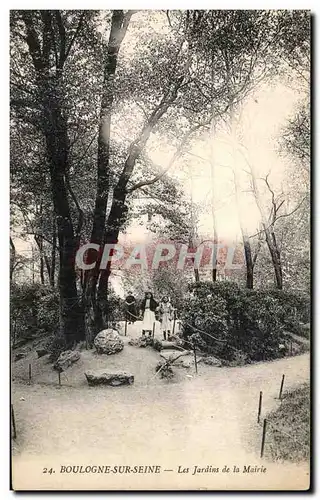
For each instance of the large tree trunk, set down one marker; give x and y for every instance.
(41, 266)
(118, 208)
(249, 261)
(275, 256)
(13, 255)
(53, 254)
(114, 223)
(55, 129)
(119, 25)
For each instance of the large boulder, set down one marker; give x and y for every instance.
(103, 377)
(108, 342)
(66, 359)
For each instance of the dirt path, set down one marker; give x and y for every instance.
(200, 419)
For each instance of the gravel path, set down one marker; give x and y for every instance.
(208, 418)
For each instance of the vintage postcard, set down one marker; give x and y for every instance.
(160, 249)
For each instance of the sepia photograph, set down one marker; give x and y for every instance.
(160, 284)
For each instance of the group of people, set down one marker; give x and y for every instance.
(149, 311)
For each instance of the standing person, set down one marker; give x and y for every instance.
(166, 311)
(131, 313)
(148, 307)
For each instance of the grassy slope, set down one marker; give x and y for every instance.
(292, 418)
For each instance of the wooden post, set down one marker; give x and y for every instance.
(195, 358)
(260, 406)
(125, 327)
(13, 423)
(30, 373)
(153, 328)
(281, 387)
(291, 348)
(59, 375)
(264, 430)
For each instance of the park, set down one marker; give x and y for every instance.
(160, 299)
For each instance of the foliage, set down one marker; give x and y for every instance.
(240, 319)
(295, 308)
(296, 137)
(164, 369)
(56, 346)
(48, 311)
(205, 312)
(115, 310)
(34, 311)
(157, 345)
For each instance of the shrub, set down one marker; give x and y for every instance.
(204, 317)
(56, 346)
(34, 311)
(295, 308)
(259, 330)
(164, 369)
(48, 311)
(240, 320)
(115, 310)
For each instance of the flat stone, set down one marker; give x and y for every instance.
(66, 359)
(104, 377)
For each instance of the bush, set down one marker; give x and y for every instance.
(34, 311)
(48, 311)
(164, 369)
(204, 312)
(259, 330)
(295, 309)
(240, 320)
(56, 346)
(115, 310)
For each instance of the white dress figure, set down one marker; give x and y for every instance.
(166, 311)
(148, 307)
